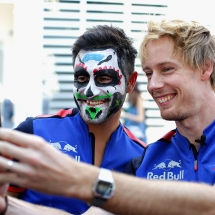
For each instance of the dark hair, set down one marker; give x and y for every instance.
(108, 36)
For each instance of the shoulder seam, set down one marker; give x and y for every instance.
(168, 136)
(60, 113)
(133, 137)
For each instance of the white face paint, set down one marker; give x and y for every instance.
(99, 85)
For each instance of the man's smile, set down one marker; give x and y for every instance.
(95, 103)
(165, 98)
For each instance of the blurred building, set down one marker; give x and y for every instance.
(64, 21)
(36, 37)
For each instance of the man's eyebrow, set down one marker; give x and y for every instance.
(159, 64)
(146, 67)
(80, 67)
(108, 58)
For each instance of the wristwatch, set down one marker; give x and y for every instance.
(103, 188)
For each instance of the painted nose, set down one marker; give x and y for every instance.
(91, 90)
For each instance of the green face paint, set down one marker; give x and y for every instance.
(101, 97)
(117, 104)
(78, 96)
(99, 84)
(92, 111)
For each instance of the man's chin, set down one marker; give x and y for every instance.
(88, 120)
(94, 122)
(172, 117)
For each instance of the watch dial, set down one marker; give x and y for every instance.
(104, 188)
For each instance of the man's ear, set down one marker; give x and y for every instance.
(132, 81)
(207, 70)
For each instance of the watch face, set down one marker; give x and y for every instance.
(104, 189)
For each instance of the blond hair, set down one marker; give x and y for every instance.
(192, 40)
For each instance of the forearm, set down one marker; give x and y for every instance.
(132, 195)
(146, 197)
(140, 197)
(19, 207)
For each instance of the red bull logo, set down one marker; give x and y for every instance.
(166, 176)
(67, 149)
(64, 146)
(166, 166)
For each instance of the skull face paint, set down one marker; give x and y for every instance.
(99, 85)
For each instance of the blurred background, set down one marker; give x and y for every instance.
(36, 36)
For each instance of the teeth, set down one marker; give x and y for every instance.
(165, 99)
(94, 103)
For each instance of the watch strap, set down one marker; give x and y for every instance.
(98, 201)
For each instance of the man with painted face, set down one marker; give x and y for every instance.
(99, 85)
(103, 61)
(178, 58)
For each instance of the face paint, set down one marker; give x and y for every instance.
(99, 85)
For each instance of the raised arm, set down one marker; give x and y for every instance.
(13, 206)
(39, 169)
(19, 207)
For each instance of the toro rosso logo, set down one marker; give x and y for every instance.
(167, 165)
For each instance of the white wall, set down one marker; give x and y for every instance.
(23, 51)
(21, 35)
(6, 41)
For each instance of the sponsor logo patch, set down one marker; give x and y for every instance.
(170, 171)
(67, 149)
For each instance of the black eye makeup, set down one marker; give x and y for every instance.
(81, 78)
(108, 77)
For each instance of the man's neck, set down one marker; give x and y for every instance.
(102, 133)
(193, 129)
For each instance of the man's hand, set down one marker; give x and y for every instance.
(3, 194)
(40, 166)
